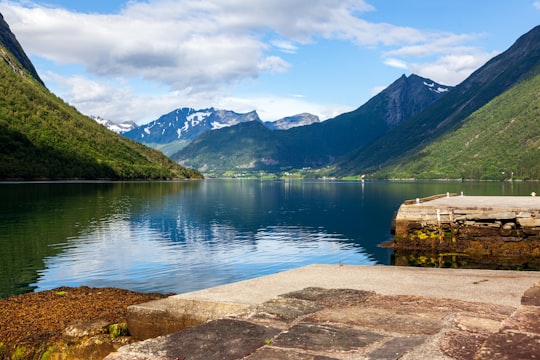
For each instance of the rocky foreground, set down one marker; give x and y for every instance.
(313, 323)
(45, 325)
(332, 324)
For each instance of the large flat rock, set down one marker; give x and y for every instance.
(185, 310)
(322, 324)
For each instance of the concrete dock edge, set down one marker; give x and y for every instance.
(169, 315)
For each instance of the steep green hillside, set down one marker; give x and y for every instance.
(520, 62)
(41, 137)
(219, 151)
(499, 141)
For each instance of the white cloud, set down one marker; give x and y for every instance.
(274, 64)
(285, 46)
(451, 69)
(442, 57)
(396, 63)
(536, 4)
(198, 49)
(193, 44)
(270, 107)
(435, 43)
(109, 99)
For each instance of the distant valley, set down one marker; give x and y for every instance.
(176, 129)
(485, 128)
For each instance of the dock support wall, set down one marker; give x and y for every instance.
(498, 234)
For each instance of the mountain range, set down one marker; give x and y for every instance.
(412, 139)
(176, 129)
(398, 133)
(484, 128)
(254, 147)
(42, 137)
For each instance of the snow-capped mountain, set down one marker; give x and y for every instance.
(187, 124)
(119, 128)
(292, 121)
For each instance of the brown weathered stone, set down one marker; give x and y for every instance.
(385, 319)
(271, 353)
(225, 339)
(462, 345)
(531, 297)
(157, 318)
(509, 346)
(317, 337)
(331, 297)
(395, 348)
(526, 319)
(360, 325)
(86, 329)
(414, 226)
(283, 309)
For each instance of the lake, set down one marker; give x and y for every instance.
(175, 237)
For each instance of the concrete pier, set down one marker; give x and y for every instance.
(502, 230)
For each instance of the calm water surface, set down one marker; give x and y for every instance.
(184, 236)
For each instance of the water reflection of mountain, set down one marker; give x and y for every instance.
(191, 231)
(241, 210)
(37, 218)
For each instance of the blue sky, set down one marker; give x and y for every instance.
(136, 60)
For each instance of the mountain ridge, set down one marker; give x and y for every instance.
(187, 124)
(10, 42)
(312, 145)
(499, 141)
(499, 74)
(289, 122)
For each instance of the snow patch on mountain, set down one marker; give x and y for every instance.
(187, 124)
(437, 89)
(119, 128)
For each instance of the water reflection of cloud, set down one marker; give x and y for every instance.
(137, 256)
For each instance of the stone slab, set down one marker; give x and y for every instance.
(490, 286)
(328, 323)
(224, 339)
(177, 312)
(488, 202)
(165, 316)
(395, 348)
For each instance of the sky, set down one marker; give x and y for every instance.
(136, 60)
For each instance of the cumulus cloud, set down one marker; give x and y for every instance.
(193, 43)
(443, 57)
(119, 102)
(452, 69)
(274, 64)
(271, 107)
(536, 4)
(112, 98)
(396, 63)
(199, 48)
